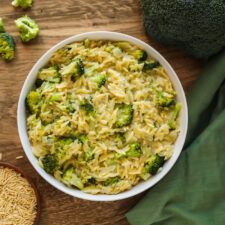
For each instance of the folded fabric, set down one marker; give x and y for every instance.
(193, 192)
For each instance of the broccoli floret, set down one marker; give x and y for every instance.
(165, 99)
(172, 120)
(87, 107)
(92, 180)
(64, 142)
(22, 3)
(70, 177)
(111, 181)
(82, 138)
(78, 69)
(119, 138)
(33, 101)
(27, 27)
(2, 29)
(7, 46)
(154, 163)
(89, 155)
(50, 74)
(135, 150)
(49, 163)
(149, 66)
(60, 156)
(87, 43)
(124, 115)
(99, 79)
(140, 55)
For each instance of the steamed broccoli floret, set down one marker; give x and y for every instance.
(172, 121)
(124, 115)
(27, 27)
(154, 163)
(92, 180)
(49, 163)
(70, 177)
(60, 156)
(33, 101)
(2, 29)
(111, 181)
(7, 46)
(165, 99)
(22, 3)
(140, 55)
(50, 74)
(149, 66)
(135, 150)
(89, 155)
(87, 107)
(64, 142)
(77, 70)
(99, 79)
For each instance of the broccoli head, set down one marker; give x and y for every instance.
(173, 117)
(165, 99)
(22, 3)
(70, 177)
(135, 150)
(7, 46)
(111, 181)
(99, 79)
(50, 74)
(92, 180)
(49, 163)
(154, 163)
(87, 107)
(77, 69)
(171, 23)
(2, 29)
(27, 27)
(140, 55)
(33, 101)
(149, 66)
(89, 155)
(124, 115)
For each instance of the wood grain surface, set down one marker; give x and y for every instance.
(59, 19)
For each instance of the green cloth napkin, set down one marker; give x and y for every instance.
(193, 192)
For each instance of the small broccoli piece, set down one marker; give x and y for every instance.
(99, 79)
(60, 156)
(149, 66)
(119, 138)
(92, 180)
(55, 97)
(89, 155)
(7, 46)
(135, 150)
(82, 138)
(172, 120)
(154, 163)
(50, 74)
(49, 163)
(140, 55)
(33, 101)
(124, 115)
(27, 27)
(111, 181)
(64, 142)
(87, 107)
(2, 29)
(87, 43)
(165, 99)
(78, 69)
(22, 3)
(70, 177)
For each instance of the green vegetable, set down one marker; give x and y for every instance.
(89, 155)
(154, 163)
(22, 3)
(135, 150)
(87, 43)
(124, 115)
(49, 163)
(111, 181)
(140, 55)
(7, 46)
(78, 69)
(87, 107)
(70, 177)
(2, 29)
(165, 99)
(33, 102)
(172, 121)
(27, 27)
(197, 27)
(99, 79)
(119, 138)
(149, 66)
(92, 180)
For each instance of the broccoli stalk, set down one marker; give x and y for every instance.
(69, 176)
(49, 163)
(172, 120)
(7, 46)
(111, 181)
(149, 66)
(33, 101)
(22, 3)
(2, 29)
(154, 163)
(135, 150)
(27, 27)
(124, 115)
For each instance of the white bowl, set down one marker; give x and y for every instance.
(29, 85)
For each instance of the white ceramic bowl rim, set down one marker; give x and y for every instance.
(29, 84)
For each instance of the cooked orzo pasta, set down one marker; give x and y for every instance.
(103, 116)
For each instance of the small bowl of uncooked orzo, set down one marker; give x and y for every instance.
(102, 116)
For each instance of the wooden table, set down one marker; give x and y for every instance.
(59, 19)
